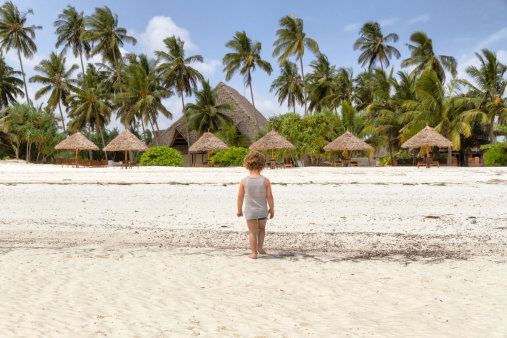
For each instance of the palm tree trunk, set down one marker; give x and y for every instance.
(188, 131)
(27, 154)
(61, 114)
(304, 82)
(391, 151)
(156, 134)
(81, 56)
(449, 156)
(492, 139)
(142, 125)
(90, 139)
(24, 80)
(103, 143)
(251, 91)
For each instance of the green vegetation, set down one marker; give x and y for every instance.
(162, 156)
(233, 157)
(381, 105)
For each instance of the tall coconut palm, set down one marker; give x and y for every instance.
(102, 29)
(91, 104)
(374, 47)
(292, 41)
(435, 106)
(424, 58)
(205, 114)
(244, 58)
(488, 95)
(143, 93)
(14, 34)
(320, 82)
(288, 85)
(9, 84)
(70, 28)
(176, 70)
(344, 89)
(57, 81)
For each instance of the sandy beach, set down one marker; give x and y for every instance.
(159, 252)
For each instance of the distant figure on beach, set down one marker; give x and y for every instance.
(255, 189)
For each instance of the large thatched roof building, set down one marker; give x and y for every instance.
(244, 116)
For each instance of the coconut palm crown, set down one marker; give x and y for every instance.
(10, 84)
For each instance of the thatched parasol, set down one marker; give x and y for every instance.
(208, 142)
(428, 137)
(77, 141)
(348, 141)
(272, 140)
(126, 141)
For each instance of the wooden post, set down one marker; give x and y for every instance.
(272, 158)
(346, 156)
(77, 163)
(126, 159)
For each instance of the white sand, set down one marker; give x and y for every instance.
(159, 252)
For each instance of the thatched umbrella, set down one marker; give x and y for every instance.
(126, 141)
(77, 141)
(272, 140)
(208, 142)
(347, 142)
(428, 137)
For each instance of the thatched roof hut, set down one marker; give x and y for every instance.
(207, 142)
(348, 141)
(244, 116)
(428, 137)
(126, 141)
(76, 141)
(272, 140)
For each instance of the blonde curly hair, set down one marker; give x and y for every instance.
(254, 161)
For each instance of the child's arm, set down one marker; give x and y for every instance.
(271, 201)
(241, 195)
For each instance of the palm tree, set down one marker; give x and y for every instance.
(205, 114)
(177, 71)
(374, 47)
(104, 31)
(70, 28)
(288, 85)
(232, 137)
(245, 57)
(344, 89)
(9, 84)
(14, 34)
(320, 83)
(424, 58)
(292, 41)
(435, 106)
(56, 79)
(91, 104)
(487, 96)
(143, 94)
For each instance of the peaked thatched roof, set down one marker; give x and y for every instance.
(348, 141)
(272, 140)
(206, 142)
(427, 137)
(76, 141)
(126, 141)
(244, 116)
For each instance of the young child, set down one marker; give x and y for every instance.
(255, 189)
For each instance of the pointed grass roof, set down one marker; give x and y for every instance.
(272, 140)
(126, 141)
(428, 137)
(348, 141)
(206, 142)
(77, 141)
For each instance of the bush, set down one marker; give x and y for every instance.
(6, 158)
(163, 156)
(230, 158)
(496, 156)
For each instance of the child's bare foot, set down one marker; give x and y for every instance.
(261, 251)
(253, 256)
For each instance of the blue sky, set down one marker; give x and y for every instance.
(457, 28)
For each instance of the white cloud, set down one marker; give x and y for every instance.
(28, 64)
(267, 104)
(159, 28)
(207, 68)
(352, 27)
(501, 34)
(420, 18)
(387, 22)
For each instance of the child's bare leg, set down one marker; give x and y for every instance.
(261, 235)
(253, 230)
